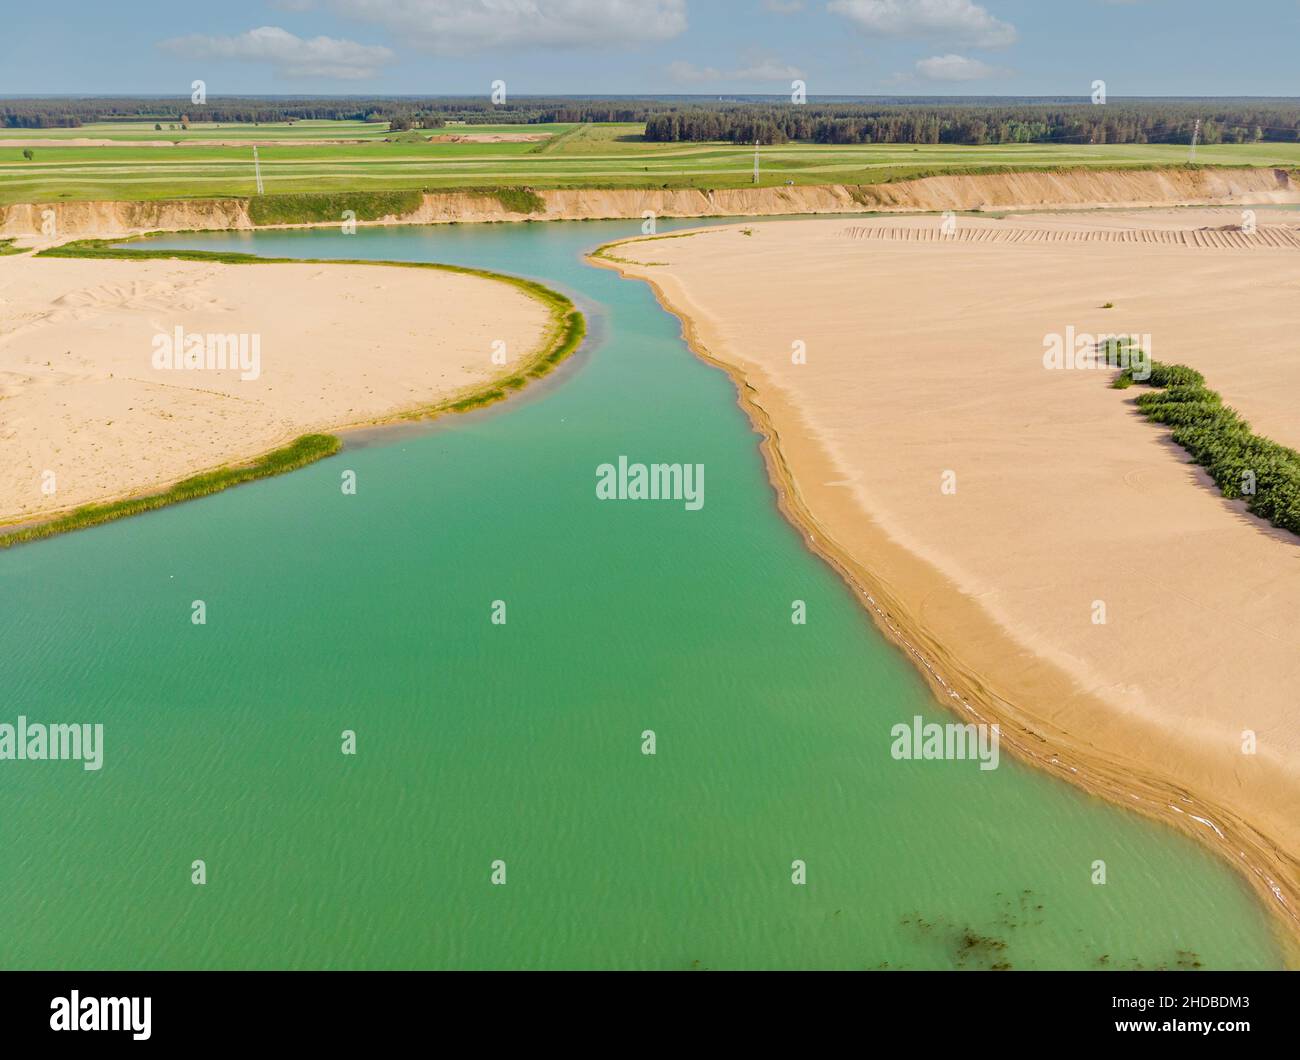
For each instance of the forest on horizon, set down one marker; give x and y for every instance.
(697, 119)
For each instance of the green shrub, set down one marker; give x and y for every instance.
(519, 200)
(1220, 441)
(1180, 393)
(1173, 375)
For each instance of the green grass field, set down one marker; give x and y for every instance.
(128, 131)
(611, 155)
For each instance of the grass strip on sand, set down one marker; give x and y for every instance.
(603, 252)
(331, 207)
(564, 335)
(305, 450)
(1244, 465)
(322, 208)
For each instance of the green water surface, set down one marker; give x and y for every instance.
(522, 742)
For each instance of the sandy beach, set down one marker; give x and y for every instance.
(87, 414)
(988, 509)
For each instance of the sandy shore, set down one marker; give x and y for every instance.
(924, 355)
(84, 409)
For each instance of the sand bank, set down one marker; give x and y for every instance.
(924, 356)
(87, 415)
(1069, 189)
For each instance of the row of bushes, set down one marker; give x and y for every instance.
(1244, 465)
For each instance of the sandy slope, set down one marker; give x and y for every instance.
(1078, 188)
(339, 345)
(924, 355)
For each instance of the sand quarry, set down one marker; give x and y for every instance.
(339, 345)
(924, 365)
(33, 223)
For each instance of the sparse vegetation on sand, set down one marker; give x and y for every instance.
(564, 334)
(604, 252)
(326, 207)
(519, 200)
(1244, 465)
(305, 450)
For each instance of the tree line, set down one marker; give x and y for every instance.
(1080, 123)
(676, 119)
(404, 112)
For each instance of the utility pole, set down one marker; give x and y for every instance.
(756, 160)
(257, 171)
(1196, 135)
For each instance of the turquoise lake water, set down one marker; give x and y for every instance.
(522, 742)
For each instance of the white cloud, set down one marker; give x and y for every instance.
(457, 27)
(684, 71)
(760, 70)
(288, 56)
(960, 21)
(956, 68)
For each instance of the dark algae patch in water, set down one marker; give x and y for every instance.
(965, 946)
(993, 947)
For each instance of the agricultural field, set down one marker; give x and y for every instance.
(145, 131)
(306, 130)
(134, 167)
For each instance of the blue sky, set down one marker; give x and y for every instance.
(839, 47)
